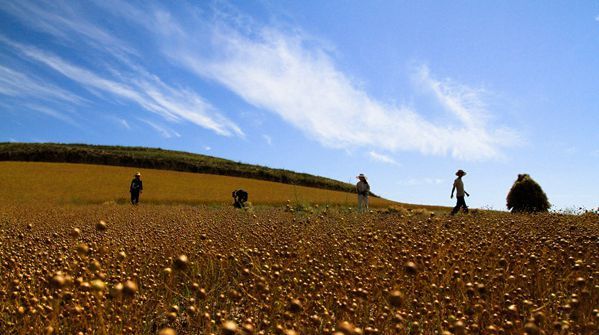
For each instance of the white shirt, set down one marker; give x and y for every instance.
(459, 187)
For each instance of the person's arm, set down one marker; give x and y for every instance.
(452, 190)
(466, 193)
(141, 186)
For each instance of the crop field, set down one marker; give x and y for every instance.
(80, 184)
(179, 269)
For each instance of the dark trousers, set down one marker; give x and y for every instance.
(134, 197)
(460, 204)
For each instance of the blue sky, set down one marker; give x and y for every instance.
(406, 92)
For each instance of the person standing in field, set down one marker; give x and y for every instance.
(363, 189)
(136, 188)
(458, 185)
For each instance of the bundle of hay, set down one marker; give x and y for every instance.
(527, 196)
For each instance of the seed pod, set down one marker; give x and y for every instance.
(129, 289)
(82, 249)
(181, 263)
(58, 280)
(167, 331)
(98, 285)
(75, 232)
(396, 298)
(101, 226)
(410, 268)
(229, 328)
(116, 291)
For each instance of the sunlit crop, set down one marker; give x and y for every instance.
(109, 269)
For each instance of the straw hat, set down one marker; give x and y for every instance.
(361, 176)
(137, 174)
(460, 173)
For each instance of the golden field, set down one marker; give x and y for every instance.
(59, 183)
(178, 269)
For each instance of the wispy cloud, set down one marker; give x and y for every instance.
(298, 81)
(383, 158)
(53, 113)
(115, 66)
(142, 88)
(124, 123)
(17, 84)
(161, 129)
(67, 23)
(267, 138)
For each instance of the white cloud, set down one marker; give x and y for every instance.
(16, 84)
(267, 138)
(161, 129)
(383, 158)
(52, 113)
(300, 82)
(597, 18)
(207, 148)
(124, 123)
(67, 23)
(146, 90)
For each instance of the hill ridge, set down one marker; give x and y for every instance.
(163, 159)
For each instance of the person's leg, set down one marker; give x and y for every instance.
(461, 204)
(360, 200)
(366, 202)
(132, 198)
(457, 207)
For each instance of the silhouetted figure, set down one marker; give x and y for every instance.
(240, 197)
(136, 188)
(458, 185)
(363, 189)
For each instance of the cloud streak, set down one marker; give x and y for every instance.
(383, 158)
(142, 88)
(300, 83)
(17, 84)
(161, 129)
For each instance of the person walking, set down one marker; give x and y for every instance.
(136, 188)
(458, 185)
(363, 189)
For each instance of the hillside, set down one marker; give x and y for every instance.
(81, 184)
(156, 158)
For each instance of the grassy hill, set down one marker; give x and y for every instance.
(156, 158)
(77, 184)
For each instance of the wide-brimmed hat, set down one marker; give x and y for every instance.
(460, 173)
(361, 175)
(137, 174)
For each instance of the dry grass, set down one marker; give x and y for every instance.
(199, 270)
(57, 183)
